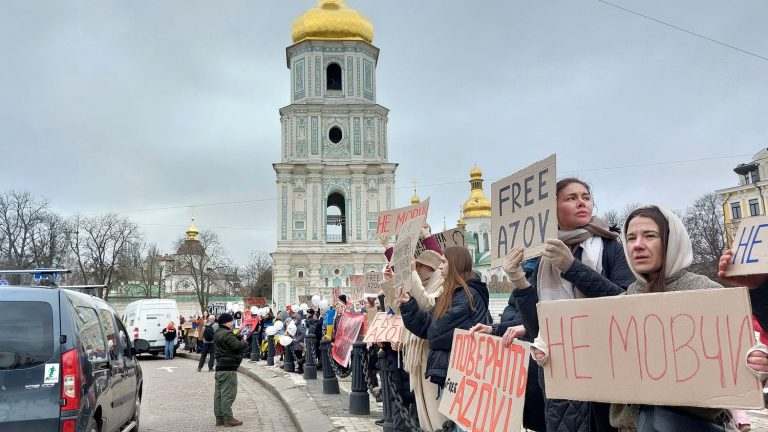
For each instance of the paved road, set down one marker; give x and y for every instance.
(181, 399)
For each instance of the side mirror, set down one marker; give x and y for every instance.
(141, 345)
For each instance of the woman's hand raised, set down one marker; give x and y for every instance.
(749, 281)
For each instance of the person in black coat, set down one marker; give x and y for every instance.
(463, 303)
(585, 261)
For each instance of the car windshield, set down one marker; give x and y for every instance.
(26, 338)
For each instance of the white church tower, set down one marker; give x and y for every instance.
(334, 176)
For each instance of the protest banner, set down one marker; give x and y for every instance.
(485, 387)
(255, 301)
(347, 331)
(683, 348)
(750, 248)
(357, 284)
(451, 237)
(404, 250)
(385, 328)
(391, 222)
(524, 211)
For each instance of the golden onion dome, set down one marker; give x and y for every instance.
(477, 206)
(192, 231)
(415, 199)
(332, 19)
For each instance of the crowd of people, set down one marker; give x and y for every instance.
(651, 253)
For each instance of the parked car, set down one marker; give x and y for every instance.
(66, 363)
(146, 319)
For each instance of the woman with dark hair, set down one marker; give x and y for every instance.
(660, 253)
(463, 303)
(586, 260)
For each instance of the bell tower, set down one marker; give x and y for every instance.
(334, 175)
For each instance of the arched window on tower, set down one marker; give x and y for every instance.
(333, 76)
(335, 219)
(486, 243)
(477, 244)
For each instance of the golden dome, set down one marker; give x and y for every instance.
(415, 199)
(461, 223)
(476, 173)
(477, 206)
(192, 231)
(332, 19)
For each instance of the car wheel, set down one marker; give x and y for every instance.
(93, 425)
(136, 413)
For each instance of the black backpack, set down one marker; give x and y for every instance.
(208, 333)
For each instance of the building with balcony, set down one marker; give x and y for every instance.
(748, 198)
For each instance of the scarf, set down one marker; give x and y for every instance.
(551, 286)
(412, 346)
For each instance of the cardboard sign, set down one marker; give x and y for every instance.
(385, 328)
(524, 211)
(404, 250)
(679, 348)
(750, 248)
(391, 222)
(485, 386)
(451, 237)
(372, 281)
(357, 283)
(347, 331)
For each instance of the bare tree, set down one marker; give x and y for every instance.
(204, 264)
(259, 263)
(99, 246)
(612, 218)
(704, 222)
(615, 218)
(30, 234)
(143, 264)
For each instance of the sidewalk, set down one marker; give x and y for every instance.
(311, 410)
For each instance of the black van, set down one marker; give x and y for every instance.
(66, 363)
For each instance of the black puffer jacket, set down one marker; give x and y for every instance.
(439, 332)
(569, 415)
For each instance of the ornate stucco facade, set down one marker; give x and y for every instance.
(334, 175)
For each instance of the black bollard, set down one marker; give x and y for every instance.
(255, 349)
(385, 392)
(359, 404)
(289, 365)
(310, 369)
(330, 383)
(270, 350)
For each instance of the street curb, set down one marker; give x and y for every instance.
(300, 407)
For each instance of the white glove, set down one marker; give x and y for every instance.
(759, 353)
(513, 270)
(559, 253)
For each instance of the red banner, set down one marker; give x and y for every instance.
(256, 301)
(347, 331)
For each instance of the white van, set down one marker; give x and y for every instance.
(146, 319)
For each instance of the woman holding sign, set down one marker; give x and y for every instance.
(660, 253)
(463, 303)
(586, 260)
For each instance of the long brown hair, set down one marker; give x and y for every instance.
(568, 180)
(459, 272)
(656, 282)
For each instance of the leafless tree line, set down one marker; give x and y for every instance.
(110, 250)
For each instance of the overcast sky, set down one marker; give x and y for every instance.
(116, 105)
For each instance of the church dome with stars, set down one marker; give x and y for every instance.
(332, 20)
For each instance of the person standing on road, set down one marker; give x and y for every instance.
(169, 332)
(207, 337)
(229, 350)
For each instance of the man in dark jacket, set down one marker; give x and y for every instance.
(228, 357)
